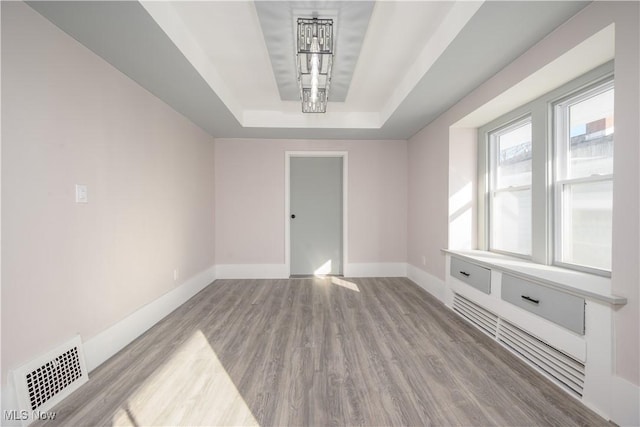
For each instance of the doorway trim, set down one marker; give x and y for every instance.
(287, 202)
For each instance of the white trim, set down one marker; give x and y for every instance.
(107, 343)
(598, 338)
(584, 285)
(545, 196)
(624, 403)
(281, 271)
(252, 271)
(379, 269)
(606, 394)
(427, 281)
(287, 203)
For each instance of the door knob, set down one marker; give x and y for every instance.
(293, 216)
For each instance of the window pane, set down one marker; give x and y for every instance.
(514, 157)
(591, 136)
(586, 219)
(511, 221)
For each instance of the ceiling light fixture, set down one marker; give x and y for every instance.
(314, 60)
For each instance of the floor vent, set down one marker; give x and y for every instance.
(44, 382)
(477, 315)
(566, 370)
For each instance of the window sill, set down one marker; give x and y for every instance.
(592, 287)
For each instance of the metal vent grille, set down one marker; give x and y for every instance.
(475, 314)
(564, 369)
(48, 380)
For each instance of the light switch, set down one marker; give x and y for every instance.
(81, 194)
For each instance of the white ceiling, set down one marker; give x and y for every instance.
(219, 63)
(387, 51)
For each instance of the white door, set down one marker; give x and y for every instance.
(316, 215)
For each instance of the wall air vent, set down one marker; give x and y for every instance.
(476, 315)
(45, 381)
(564, 369)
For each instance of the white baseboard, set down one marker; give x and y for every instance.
(427, 281)
(377, 269)
(252, 271)
(625, 408)
(107, 343)
(625, 395)
(280, 271)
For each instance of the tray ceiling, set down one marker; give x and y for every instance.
(228, 66)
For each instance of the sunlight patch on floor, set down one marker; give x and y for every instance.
(191, 388)
(345, 284)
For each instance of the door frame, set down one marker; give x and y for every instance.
(287, 202)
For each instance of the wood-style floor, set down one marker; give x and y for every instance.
(373, 352)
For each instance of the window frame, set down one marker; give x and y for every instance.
(559, 157)
(492, 138)
(541, 110)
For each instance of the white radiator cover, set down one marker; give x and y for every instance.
(566, 371)
(477, 315)
(44, 382)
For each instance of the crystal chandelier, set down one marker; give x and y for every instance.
(314, 61)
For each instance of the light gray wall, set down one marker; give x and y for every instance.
(70, 118)
(250, 177)
(429, 164)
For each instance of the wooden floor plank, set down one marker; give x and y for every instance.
(317, 351)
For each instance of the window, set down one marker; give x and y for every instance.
(584, 178)
(510, 204)
(546, 177)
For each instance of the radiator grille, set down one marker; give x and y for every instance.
(564, 369)
(44, 382)
(51, 378)
(477, 315)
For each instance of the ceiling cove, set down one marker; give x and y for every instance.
(278, 22)
(223, 64)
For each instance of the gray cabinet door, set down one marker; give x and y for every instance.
(471, 274)
(564, 309)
